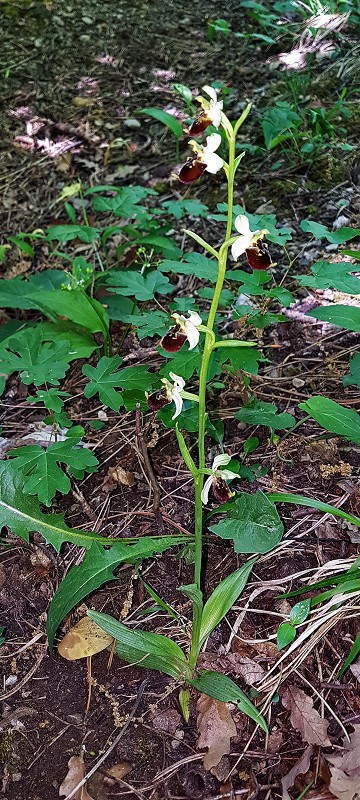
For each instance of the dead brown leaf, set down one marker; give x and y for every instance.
(304, 718)
(345, 769)
(84, 639)
(115, 476)
(74, 776)
(250, 670)
(300, 767)
(216, 727)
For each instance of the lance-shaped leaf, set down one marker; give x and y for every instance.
(166, 119)
(144, 649)
(223, 598)
(96, 569)
(39, 466)
(217, 685)
(261, 413)
(22, 514)
(326, 508)
(105, 378)
(333, 417)
(342, 315)
(76, 306)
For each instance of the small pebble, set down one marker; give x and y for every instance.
(298, 383)
(87, 20)
(11, 680)
(74, 719)
(132, 123)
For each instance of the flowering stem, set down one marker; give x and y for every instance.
(208, 348)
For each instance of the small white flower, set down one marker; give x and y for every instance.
(174, 392)
(214, 108)
(206, 155)
(224, 474)
(247, 237)
(189, 326)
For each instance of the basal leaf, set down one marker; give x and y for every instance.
(17, 292)
(223, 598)
(166, 119)
(333, 417)
(75, 305)
(221, 687)
(252, 522)
(145, 649)
(96, 569)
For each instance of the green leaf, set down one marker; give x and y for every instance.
(354, 376)
(326, 508)
(260, 413)
(354, 652)
(300, 612)
(21, 513)
(177, 208)
(285, 635)
(321, 232)
(142, 287)
(344, 316)
(105, 377)
(222, 599)
(37, 362)
(50, 398)
(184, 363)
(17, 292)
(142, 648)
(327, 275)
(166, 119)
(150, 323)
(193, 264)
(39, 467)
(80, 342)
(333, 417)
(246, 359)
(125, 203)
(67, 233)
(253, 523)
(219, 686)
(76, 305)
(96, 569)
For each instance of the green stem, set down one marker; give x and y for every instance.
(208, 347)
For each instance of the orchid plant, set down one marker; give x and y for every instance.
(150, 649)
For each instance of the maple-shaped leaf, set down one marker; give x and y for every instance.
(40, 469)
(105, 379)
(37, 362)
(142, 287)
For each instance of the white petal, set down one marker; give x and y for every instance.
(194, 318)
(211, 92)
(212, 142)
(216, 115)
(242, 225)
(179, 382)
(220, 461)
(192, 334)
(177, 399)
(206, 489)
(213, 162)
(228, 475)
(240, 245)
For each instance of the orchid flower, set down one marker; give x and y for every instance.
(249, 242)
(210, 113)
(216, 481)
(185, 329)
(205, 159)
(170, 393)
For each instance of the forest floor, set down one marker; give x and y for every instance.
(81, 71)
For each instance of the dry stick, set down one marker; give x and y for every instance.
(114, 744)
(144, 452)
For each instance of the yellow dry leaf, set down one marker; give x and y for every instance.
(74, 776)
(216, 727)
(84, 639)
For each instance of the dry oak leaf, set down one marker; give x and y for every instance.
(345, 769)
(216, 727)
(304, 718)
(74, 776)
(300, 768)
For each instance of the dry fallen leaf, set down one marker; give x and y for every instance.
(345, 769)
(299, 768)
(84, 639)
(74, 776)
(216, 727)
(304, 718)
(250, 670)
(116, 475)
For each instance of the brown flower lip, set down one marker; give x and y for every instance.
(200, 124)
(258, 256)
(221, 490)
(157, 400)
(191, 170)
(173, 339)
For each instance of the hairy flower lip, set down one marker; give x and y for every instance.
(191, 170)
(171, 393)
(205, 159)
(216, 481)
(173, 340)
(210, 113)
(258, 256)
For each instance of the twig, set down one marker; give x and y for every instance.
(113, 745)
(24, 680)
(150, 472)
